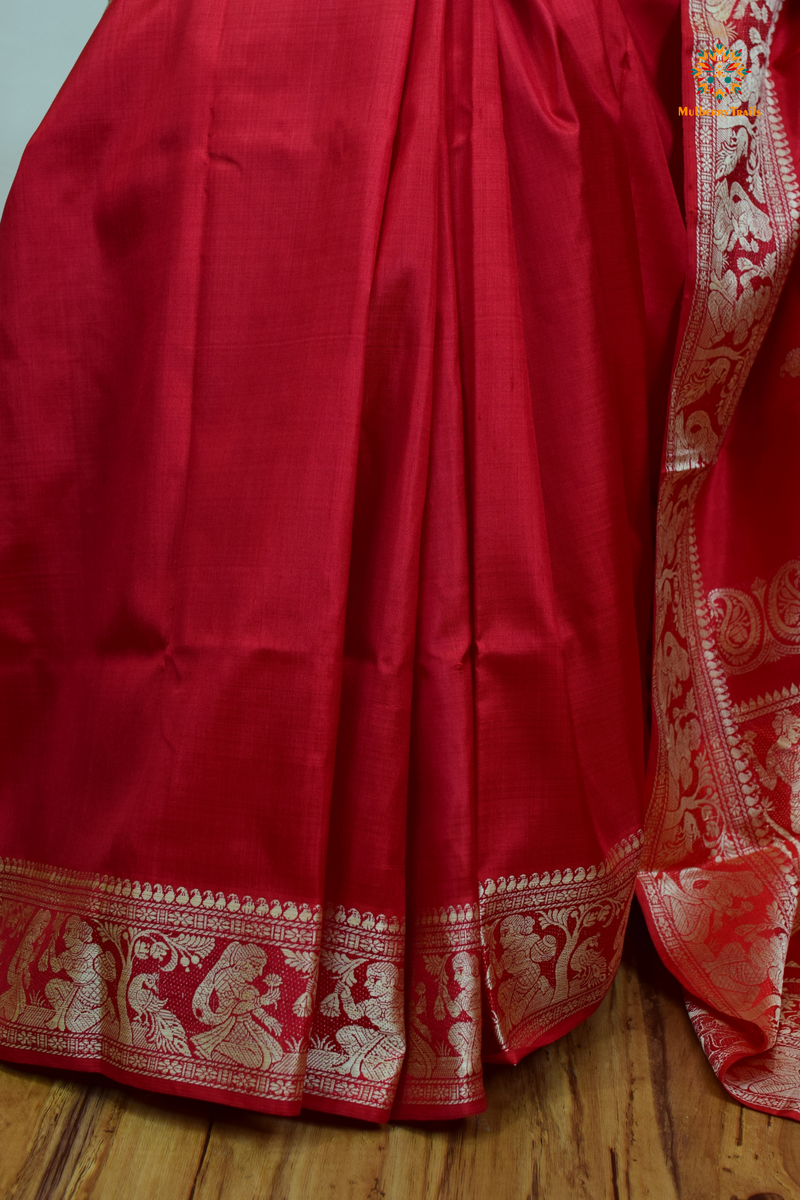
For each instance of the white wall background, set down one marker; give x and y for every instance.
(39, 43)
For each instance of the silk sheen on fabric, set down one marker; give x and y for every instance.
(719, 875)
(336, 354)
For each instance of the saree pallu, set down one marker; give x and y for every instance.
(336, 348)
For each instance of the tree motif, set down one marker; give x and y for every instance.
(166, 951)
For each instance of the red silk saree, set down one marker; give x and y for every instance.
(393, 395)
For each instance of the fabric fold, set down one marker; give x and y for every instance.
(335, 348)
(719, 875)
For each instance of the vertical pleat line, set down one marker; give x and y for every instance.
(442, 1074)
(358, 1036)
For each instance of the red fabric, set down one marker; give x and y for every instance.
(227, 341)
(719, 878)
(336, 343)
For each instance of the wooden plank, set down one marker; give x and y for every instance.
(140, 1149)
(623, 1108)
(23, 1096)
(93, 1139)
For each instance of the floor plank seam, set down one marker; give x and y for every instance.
(201, 1163)
(57, 1165)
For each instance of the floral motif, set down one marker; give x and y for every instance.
(746, 232)
(719, 874)
(158, 983)
(277, 1004)
(552, 946)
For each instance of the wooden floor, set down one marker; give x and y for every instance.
(624, 1107)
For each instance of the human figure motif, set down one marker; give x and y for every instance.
(81, 1002)
(14, 1001)
(464, 1036)
(782, 761)
(524, 989)
(373, 1053)
(422, 1061)
(242, 1030)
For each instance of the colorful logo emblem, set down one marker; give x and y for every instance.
(720, 73)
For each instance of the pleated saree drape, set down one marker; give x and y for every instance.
(336, 352)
